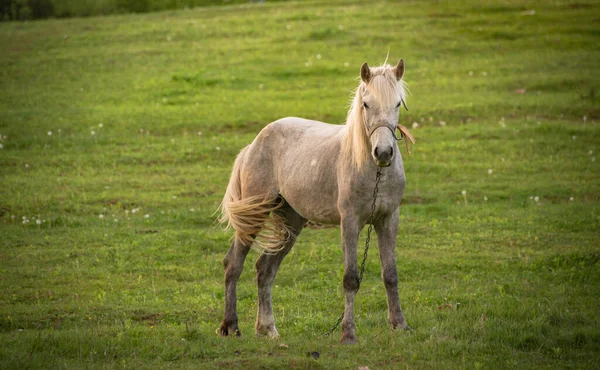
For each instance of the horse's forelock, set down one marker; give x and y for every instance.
(384, 86)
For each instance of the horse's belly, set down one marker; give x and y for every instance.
(314, 200)
(317, 213)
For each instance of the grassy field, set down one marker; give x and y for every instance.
(117, 138)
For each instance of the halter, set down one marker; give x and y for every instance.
(404, 134)
(393, 130)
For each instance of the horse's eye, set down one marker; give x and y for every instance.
(365, 105)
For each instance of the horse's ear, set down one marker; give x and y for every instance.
(365, 73)
(399, 69)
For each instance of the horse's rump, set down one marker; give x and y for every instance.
(252, 217)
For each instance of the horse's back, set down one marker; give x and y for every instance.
(297, 158)
(306, 127)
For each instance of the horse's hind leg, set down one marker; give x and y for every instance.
(266, 270)
(234, 263)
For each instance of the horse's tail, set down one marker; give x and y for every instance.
(252, 217)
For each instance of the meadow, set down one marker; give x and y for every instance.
(118, 134)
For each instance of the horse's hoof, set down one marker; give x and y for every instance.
(400, 326)
(226, 331)
(348, 339)
(268, 331)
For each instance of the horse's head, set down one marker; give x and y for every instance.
(382, 93)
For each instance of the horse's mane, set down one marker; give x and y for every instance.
(386, 89)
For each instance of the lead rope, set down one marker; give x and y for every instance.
(367, 242)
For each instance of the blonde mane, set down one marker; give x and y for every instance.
(386, 89)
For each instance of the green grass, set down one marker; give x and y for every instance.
(508, 282)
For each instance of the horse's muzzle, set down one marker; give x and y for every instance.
(383, 158)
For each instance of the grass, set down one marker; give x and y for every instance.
(104, 116)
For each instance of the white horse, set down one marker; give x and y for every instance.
(297, 170)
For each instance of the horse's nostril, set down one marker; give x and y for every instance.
(391, 152)
(376, 152)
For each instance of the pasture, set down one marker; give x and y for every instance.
(117, 139)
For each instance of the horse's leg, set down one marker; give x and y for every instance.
(266, 270)
(234, 263)
(350, 230)
(387, 229)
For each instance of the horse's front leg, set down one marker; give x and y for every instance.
(350, 230)
(386, 229)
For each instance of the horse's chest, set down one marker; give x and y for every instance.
(389, 195)
(389, 192)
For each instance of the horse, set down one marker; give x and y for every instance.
(297, 170)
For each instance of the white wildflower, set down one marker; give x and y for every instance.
(100, 125)
(318, 56)
(536, 198)
(39, 222)
(100, 216)
(146, 216)
(93, 132)
(49, 133)
(574, 137)
(415, 125)
(489, 171)
(218, 148)
(464, 192)
(571, 199)
(442, 123)
(485, 198)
